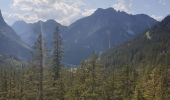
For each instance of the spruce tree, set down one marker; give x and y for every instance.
(39, 62)
(57, 54)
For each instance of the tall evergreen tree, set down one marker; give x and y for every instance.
(57, 54)
(39, 62)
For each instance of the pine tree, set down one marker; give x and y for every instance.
(57, 54)
(39, 62)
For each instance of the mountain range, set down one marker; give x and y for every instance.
(104, 29)
(29, 31)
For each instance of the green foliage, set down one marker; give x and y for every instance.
(92, 80)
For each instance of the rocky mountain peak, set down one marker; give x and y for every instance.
(165, 21)
(2, 22)
(101, 11)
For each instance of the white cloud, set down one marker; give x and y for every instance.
(63, 11)
(123, 5)
(158, 18)
(163, 2)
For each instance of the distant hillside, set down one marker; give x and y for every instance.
(151, 47)
(104, 29)
(10, 42)
(29, 31)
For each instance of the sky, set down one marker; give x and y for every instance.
(68, 11)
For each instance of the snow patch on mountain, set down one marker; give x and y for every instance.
(148, 35)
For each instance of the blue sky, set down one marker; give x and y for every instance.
(67, 11)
